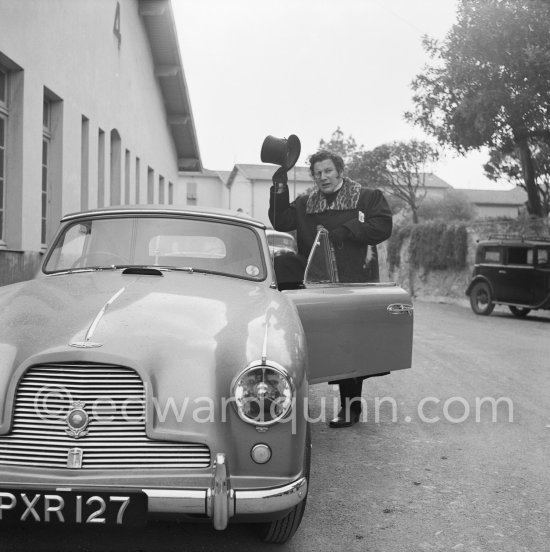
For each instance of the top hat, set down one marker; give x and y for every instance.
(281, 151)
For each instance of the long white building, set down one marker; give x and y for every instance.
(94, 111)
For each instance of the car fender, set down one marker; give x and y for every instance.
(476, 280)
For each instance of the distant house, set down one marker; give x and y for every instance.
(206, 188)
(435, 187)
(496, 203)
(248, 188)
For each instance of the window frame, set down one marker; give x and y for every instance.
(481, 257)
(529, 255)
(4, 113)
(45, 189)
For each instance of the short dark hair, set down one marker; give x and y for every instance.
(323, 155)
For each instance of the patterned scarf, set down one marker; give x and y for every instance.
(347, 199)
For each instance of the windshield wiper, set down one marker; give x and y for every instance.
(192, 270)
(187, 269)
(87, 269)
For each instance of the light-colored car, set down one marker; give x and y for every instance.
(153, 367)
(280, 242)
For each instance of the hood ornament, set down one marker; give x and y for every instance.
(77, 420)
(87, 343)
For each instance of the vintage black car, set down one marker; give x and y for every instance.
(512, 271)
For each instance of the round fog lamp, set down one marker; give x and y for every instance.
(260, 453)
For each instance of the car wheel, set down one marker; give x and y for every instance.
(520, 312)
(481, 299)
(281, 530)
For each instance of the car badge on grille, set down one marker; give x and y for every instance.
(77, 420)
(74, 458)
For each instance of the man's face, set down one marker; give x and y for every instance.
(326, 176)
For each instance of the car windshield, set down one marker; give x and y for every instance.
(173, 243)
(281, 241)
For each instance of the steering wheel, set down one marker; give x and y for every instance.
(107, 254)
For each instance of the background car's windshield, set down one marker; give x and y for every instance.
(281, 241)
(215, 246)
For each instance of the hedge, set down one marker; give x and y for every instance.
(434, 245)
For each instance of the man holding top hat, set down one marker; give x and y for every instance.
(356, 218)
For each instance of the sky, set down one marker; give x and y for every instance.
(306, 67)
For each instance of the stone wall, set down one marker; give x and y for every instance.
(452, 284)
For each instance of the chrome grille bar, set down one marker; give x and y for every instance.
(113, 441)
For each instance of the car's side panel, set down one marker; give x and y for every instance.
(541, 286)
(355, 329)
(495, 274)
(490, 267)
(516, 284)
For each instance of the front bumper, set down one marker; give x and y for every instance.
(220, 502)
(214, 497)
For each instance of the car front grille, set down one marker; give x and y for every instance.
(113, 398)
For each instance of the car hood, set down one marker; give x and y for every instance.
(187, 335)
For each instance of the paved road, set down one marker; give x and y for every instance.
(437, 477)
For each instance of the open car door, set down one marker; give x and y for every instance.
(351, 329)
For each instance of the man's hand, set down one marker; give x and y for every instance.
(280, 180)
(338, 235)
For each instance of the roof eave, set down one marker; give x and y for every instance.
(160, 27)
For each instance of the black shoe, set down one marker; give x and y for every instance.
(342, 421)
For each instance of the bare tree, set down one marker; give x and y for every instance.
(401, 169)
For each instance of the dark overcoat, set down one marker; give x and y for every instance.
(363, 211)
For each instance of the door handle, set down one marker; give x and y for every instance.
(400, 308)
(502, 271)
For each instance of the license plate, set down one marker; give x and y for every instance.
(72, 507)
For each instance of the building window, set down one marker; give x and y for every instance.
(191, 193)
(100, 168)
(138, 179)
(116, 168)
(3, 88)
(150, 186)
(161, 190)
(127, 198)
(84, 163)
(170, 193)
(46, 139)
(3, 129)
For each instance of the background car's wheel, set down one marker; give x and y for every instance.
(280, 530)
(481, 299)
(520, 312)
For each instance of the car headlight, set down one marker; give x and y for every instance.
(263, 394)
